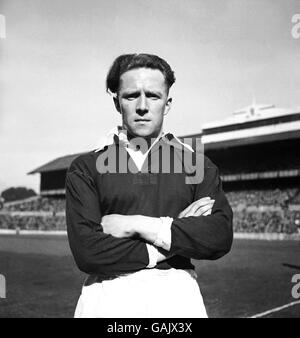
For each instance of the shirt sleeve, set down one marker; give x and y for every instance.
(205, 237)
(153, 253)
(94, 251)
(163, 237)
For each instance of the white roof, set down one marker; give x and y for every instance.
(272, 129)
(254, 112)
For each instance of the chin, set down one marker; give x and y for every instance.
(142, 133)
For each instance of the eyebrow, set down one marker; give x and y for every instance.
(136, 91)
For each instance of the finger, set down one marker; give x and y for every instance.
(200, 210)
(204, 212)
(194, 206)
(207, 213)
(200, 204)
(181, 215)
(184, 212)
(205, 208)
(209, 203)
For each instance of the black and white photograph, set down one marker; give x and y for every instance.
(149, 161)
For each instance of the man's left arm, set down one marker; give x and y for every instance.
(205, 237)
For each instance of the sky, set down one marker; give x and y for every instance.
(56, 54)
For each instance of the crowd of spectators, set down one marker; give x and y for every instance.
(254, 211)
(38, 204)
(49, 214)
(271, 197)
(265, 210)
(287, 222)
(20, 222)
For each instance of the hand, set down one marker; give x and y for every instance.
(125, 226)
(117, 225)
(201, 207)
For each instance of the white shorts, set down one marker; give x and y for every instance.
(150, 293)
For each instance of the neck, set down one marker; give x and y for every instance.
(134, 140)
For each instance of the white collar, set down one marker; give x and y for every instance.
(122, 134)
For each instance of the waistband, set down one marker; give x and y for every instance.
(145, 273)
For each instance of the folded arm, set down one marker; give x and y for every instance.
(94, 251)
(196, 233)
(155, 230)
(205, 237)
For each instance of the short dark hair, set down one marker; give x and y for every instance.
(125, 62)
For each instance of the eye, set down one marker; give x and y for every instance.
(131, 96)
(153, 96)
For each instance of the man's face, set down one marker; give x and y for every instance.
(143, 100)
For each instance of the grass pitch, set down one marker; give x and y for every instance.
(42, 279)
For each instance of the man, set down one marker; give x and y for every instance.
(135, 217)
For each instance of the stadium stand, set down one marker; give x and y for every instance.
(43, 222)
(264, 211)
(267, 221)
(39, 204)
(272, 198)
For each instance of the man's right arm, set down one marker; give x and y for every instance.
(94, 251)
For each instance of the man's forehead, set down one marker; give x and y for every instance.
(134, 78)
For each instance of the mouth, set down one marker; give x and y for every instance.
(141, 120)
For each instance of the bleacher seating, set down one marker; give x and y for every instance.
(257, 211)
(265, 210)
(42, 213)
(39, 204)
(8, 221)
(275, 197)
(267, 221)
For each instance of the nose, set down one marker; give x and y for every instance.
(142, 105)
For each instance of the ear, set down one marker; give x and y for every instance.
(117, 104)
(168, 106)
